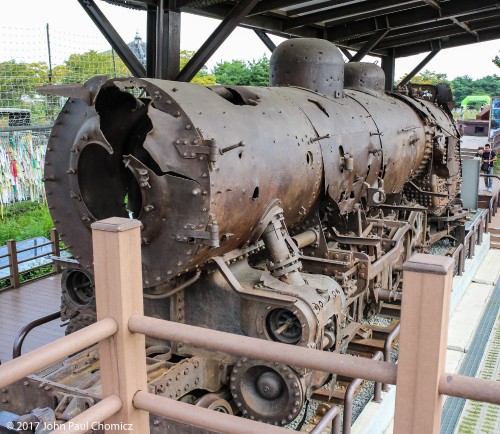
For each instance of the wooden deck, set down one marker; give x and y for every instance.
(20, 306)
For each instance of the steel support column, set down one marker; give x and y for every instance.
(151, 41)
(370, 45)
(112, 36)
(389, 65)
(265, 39)
(168, 40)
(225, 28)
(417, 69)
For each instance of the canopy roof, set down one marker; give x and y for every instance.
(401, 28)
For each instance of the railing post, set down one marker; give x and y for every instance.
(15, 281)
(422, 351)
(56, 250)
(118, 287)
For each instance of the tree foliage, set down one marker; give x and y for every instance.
(202, 77)
(461, 86)
(18, 81)
(465, 85)
(430, 77)
(78, 68)
(241, 73)
(496, 61)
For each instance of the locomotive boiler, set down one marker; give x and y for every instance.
(282, 212)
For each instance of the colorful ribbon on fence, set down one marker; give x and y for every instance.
(22, 157)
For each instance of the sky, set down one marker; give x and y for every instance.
(22, 25)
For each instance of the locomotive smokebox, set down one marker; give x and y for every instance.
(313, 64)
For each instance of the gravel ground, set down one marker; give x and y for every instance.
(365, 393)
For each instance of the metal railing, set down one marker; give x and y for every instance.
(121, 329)
(14, 276)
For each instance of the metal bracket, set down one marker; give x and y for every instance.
(209, 148)
(210, 237)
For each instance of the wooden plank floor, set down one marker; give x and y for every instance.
(20, 306)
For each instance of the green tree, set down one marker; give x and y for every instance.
(241, 73)
(202, 77)
(496, 61)
(78, 68)
(430, 77)
(465, 85)
(18, 81)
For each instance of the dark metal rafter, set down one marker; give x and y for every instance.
(454, 41)
(377, 7)
(370, 45)
(266, 40)
(418, 68)
(114, 39)
(418, 15)
(225, 28)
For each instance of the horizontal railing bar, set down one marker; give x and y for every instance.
(91, 417)
(5, 266)
(49, 243)
(341, 364)
(49, 264)
(43, 255)
(470, 388)
(42, 357)
(201, 417)
(5, 256)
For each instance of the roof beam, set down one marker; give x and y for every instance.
(440, 34)
(266, 40)
(480, 21)
(370, 45)
(114, 39)
(269, 23)
(433, 4)
(454, 41)
(419, 15)
(319, 6)
(215, 40)
(376, 7)
(464, 26)
(271, 5)
(418, 68)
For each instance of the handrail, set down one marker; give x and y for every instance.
(21, 336)
(207, 419)
(46, 355)
(341, 364)
(92, 417)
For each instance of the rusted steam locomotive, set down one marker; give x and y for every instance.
(283, 213)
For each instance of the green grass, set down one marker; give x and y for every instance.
(25, 220)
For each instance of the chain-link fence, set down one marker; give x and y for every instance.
(31, 57)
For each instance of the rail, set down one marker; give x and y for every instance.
(14, 278)
(121, 329)
(21, 336)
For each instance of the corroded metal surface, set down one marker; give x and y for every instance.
(282, 213)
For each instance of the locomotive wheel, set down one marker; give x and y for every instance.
(268, 392)
(214, 402)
